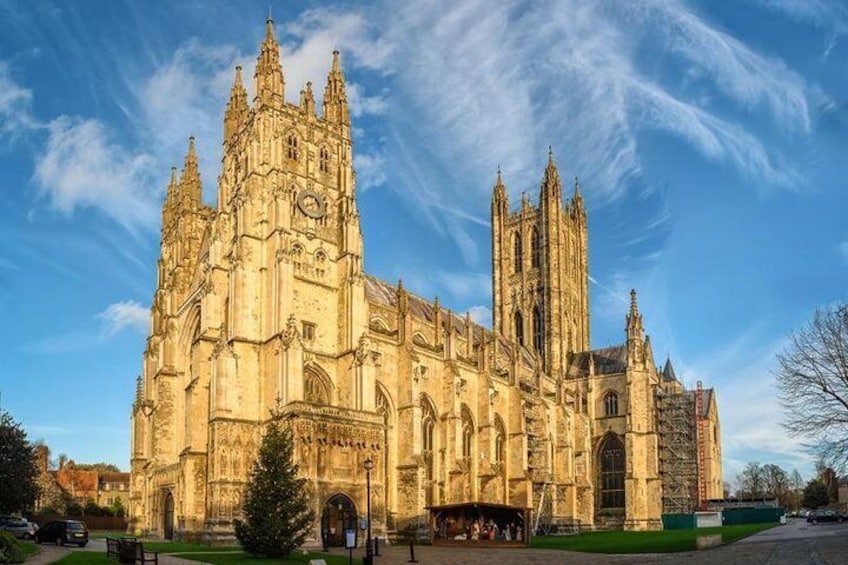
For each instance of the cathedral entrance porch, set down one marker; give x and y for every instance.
(339, 514)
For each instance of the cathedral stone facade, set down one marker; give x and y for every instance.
(262, 303)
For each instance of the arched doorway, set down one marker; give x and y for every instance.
(168, 528)
(338, 515)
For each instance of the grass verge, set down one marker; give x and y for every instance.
(666, 541)
(85, 558)
(181, 547)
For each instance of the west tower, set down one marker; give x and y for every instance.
(540, 271)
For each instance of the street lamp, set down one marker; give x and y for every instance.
(369, 552)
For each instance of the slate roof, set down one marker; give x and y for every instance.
(608, 361)
(668, 371)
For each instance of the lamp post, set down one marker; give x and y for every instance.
(369, 552)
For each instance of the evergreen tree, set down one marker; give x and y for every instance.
(18, 469)
(277, 516)
(815, 494)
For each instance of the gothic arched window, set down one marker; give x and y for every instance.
(612, 473)
(538, 331)
(467, 433)
(535, 248)
(500, 441)
(324, 160)
(518, 256)
(611, 404)
(314, 390)
(291, 151)
(519, 328)
(428, 434)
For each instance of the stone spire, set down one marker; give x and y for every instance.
(500, 199)
(307, 100)
(190, 188)
(171, 196)
(577, 199)
(335, 97)
(237, 108)
(551, 185)
(270, 84)
(635, 330)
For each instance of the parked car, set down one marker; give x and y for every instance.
(825, 516)
(61, 532)
(20, 528)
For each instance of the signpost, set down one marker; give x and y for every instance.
(350, 543)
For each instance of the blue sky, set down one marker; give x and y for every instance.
(709, 138)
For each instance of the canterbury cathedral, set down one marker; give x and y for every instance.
(262, 305)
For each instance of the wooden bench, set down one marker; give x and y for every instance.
(130, 550)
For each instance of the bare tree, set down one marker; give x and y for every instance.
(812, 377)
(750, 482)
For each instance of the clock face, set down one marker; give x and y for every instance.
(312, 204)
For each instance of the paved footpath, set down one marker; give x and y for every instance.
(798, 543)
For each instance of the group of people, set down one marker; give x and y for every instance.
(479, 529)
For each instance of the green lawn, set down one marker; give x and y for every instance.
(180, 547)
(666, 541)
(29, 548)
(295, 558)
(85, 558)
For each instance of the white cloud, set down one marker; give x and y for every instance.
(370, 170)
(82, 168)
(15, 105)
(121, 315)
(482, 315)
(484, 84)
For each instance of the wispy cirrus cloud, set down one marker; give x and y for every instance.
(831, 15)
(15, 105)
(127, 314)
(82, 167)
(570, 74)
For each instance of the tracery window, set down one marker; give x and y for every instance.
(519, 328)
(467, 433)
(324, 160)
(428, 432)
(538, 332)
(500, 441)
(612, 473)
(535, 248)
(314, 390)
(518, 257)
(292, 151)
(611, 404)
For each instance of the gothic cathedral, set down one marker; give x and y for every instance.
(262, 303)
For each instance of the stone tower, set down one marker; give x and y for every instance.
(540, 271)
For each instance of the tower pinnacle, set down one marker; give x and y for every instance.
(270, 84)
(237, 110)
(335, 97)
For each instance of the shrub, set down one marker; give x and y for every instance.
(10, 549)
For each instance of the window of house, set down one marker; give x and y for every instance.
(292, 147)
(611, 404)
(324, 160)
(535, 249)
(308, 331)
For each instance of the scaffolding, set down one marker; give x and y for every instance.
(701, 427)
(538, 464)
(679, 469)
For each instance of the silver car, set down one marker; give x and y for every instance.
(20, 528)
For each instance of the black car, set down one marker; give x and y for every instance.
(61, 532)
(824, 516)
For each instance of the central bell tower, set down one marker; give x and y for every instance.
(540, 271)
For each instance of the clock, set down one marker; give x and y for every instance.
(312, 204)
